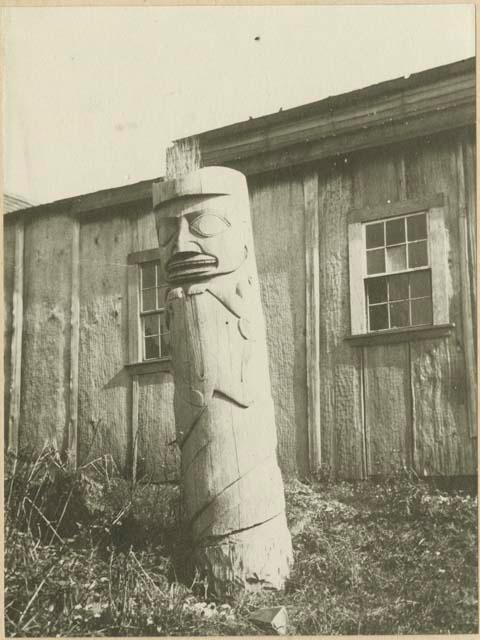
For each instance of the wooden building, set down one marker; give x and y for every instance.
(363, 209)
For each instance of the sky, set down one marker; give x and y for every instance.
(93, 96)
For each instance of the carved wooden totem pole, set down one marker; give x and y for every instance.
(223, 407)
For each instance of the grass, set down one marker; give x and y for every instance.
(90, 554)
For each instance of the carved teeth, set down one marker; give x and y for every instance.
(191, 261)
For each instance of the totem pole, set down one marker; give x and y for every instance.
(224, 416)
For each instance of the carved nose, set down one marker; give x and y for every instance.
(184, 241)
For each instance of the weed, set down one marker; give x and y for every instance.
(90, 553)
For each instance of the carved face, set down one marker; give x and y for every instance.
(202, 237)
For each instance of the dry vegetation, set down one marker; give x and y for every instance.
(90, 554)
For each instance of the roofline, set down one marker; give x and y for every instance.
(90, 202)
(387, 87)
(424, 103)
(396, 110)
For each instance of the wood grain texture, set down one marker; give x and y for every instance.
(357, 270)
(8, 285)
(438, 253)
(72, 430)
(224, 417)
(467, 285)
(16, 324)
(104, 413)
(386, 113)
(312, 295)
(400, 207)
(340, 364)
(443, 444)
(278, 231)
(378, 178)
(387, 409)
(158, 452)
(46, 332)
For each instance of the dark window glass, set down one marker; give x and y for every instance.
(420, 284)
(152, 349)
(421, 311)
(417, 227)
(396, 258)
(395, 231)
(377, 290)
(417, 254)
(148, 299)
(399, 315)
(374, 235)
(398, 287)
(378, 317)
(148, 276)
(150, 325)
(165, 344)
(375, 261)
(161, 297)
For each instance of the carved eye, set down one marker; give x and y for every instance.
(166, 230)
(208, 224)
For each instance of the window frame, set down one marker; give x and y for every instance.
(136, 362)
(437, 246)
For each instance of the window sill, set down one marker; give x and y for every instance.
(149, 366)
(408, 334)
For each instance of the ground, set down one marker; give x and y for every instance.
(90, 554)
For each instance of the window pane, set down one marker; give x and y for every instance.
(148, 299)
(163, 323)
(395, 231)
(161, 296)
(396, 258)
(417, 227)
(150, 325)
(422, 311)
(375, 261)
(165, 344)
(377, 290)
(399, 314)
(420, 284)
(374, 235)
(152, 348)
(148, 275)
(417, 254)
(378, 317)
(398, 287)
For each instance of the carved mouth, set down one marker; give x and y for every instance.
(188, 264)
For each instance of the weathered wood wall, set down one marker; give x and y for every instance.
(372, 408)
(410, 404)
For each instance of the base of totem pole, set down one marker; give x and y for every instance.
(258, 558)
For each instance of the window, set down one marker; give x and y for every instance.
(398, 285)
(147, 290)
(398, 267)
(152, 311)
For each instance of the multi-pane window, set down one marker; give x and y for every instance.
(152, 312)
(398, 283)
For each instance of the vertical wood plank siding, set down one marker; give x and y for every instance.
(72, 432)
(156, 450)
(158, 454)
(279, 236)
(104, 413)
(8, 279)
(467, 285)
(375, 408)
(442, 436)
(379, 177)
(15, 369)
(46, 332)
(312, 275)
(340, 365)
